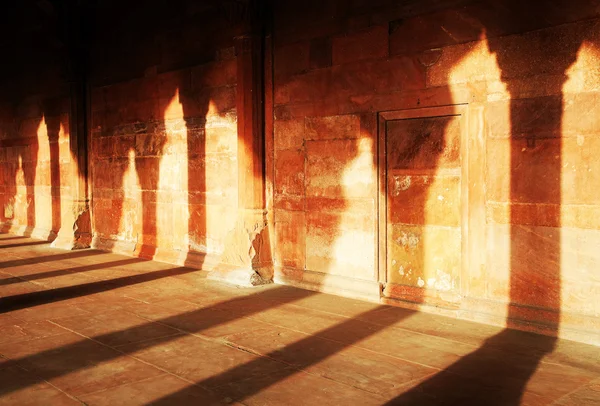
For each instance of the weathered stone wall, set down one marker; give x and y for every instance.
(36, 163)
(433, 154)
(164, 135)
(37, 169)
(490, 215)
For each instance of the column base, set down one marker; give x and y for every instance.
(245, 277)
(68, 240)
(77, 236)
(28, 231)
(247, 246)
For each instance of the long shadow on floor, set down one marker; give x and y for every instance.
(494, 374)
(24, 244)
(12, 238)
(193, 322)
(302, 354)
(49, 258)
(69, 271)
(28, 300)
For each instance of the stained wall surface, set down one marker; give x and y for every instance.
(437, 155)
(164, 135)
(37, 168)
(485, 208)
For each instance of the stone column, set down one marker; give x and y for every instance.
(248, 246)
(75, 231)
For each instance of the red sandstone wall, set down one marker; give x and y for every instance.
(37, 170)
(36, 165)
(164, 135)
(483, 208)
(520, 196)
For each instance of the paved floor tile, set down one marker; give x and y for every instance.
(161, 390)
(87, 327)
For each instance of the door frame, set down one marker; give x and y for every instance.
(423, 112)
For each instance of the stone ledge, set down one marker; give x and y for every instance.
(245, 277)
(69, 241)
(334, 284)
(575, 327)
(218, 271)
(28, 231)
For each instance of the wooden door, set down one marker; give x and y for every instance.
(421, 233)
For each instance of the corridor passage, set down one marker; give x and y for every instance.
(95, 328)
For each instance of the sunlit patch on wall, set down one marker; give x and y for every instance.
(580, 168)
(131, 218)
(21, 200)
(67, 170)
(216, 181)
(172, 213)
(42, 189)
(353, 247)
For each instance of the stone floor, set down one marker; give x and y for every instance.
(88, 327)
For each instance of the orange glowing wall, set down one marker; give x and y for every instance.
(426, 154)
(442, 157)
(164, 136)
(37, 169)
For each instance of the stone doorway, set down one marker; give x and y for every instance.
(423, 198)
